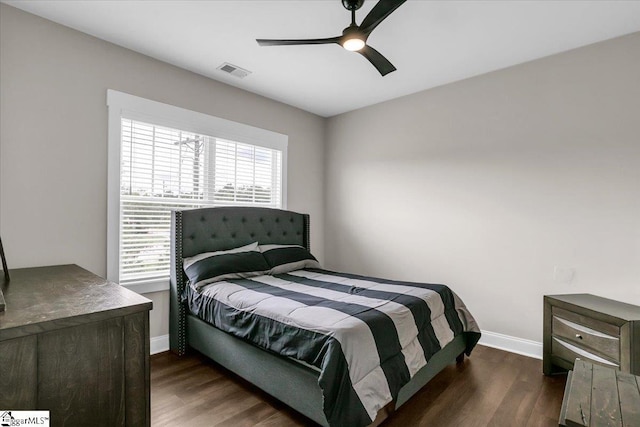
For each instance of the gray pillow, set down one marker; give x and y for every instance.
(285, 258)
(238, 263)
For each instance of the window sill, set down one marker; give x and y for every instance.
(146, 287)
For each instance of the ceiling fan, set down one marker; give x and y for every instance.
(354, 37)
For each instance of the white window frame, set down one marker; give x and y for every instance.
(121, 105)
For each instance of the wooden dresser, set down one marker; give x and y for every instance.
(76, 345)
(592, 328)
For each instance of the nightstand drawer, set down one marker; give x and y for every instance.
(587, 338)
(570, 352)
(590, 322)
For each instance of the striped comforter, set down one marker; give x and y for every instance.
(367, 336)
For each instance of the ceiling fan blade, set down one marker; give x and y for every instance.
(379, 13)
(268, 42)
(381, 63)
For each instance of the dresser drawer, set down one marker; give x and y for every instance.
(587, 338)
(570, 352)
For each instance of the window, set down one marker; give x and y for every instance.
(163, 158)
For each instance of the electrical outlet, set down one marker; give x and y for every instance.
(563, 275)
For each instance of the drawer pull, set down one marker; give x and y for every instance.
(579, 336)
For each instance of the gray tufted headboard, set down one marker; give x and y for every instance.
(213, 229)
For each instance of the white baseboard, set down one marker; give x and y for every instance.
(159, 344)
(512, 344)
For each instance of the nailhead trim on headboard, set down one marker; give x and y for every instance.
(182, 327)
(177, 314)
(307, 232)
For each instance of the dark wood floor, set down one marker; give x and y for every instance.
(491, 388)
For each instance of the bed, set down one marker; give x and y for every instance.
(313, 384)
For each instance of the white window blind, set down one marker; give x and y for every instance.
(163, 168)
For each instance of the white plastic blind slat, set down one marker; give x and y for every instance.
(163, 169)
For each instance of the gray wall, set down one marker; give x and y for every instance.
(53, 140)
(490, 183)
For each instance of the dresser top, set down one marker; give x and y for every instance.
(46, 298)
(621, 310)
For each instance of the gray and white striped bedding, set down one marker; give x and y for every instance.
(367, 336)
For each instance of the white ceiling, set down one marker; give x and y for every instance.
(430, 42)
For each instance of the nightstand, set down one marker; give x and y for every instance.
(591, 328)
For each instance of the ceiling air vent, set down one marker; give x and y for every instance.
(234, 70)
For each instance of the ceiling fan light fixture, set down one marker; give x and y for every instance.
(353, 44)
(352, 38)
